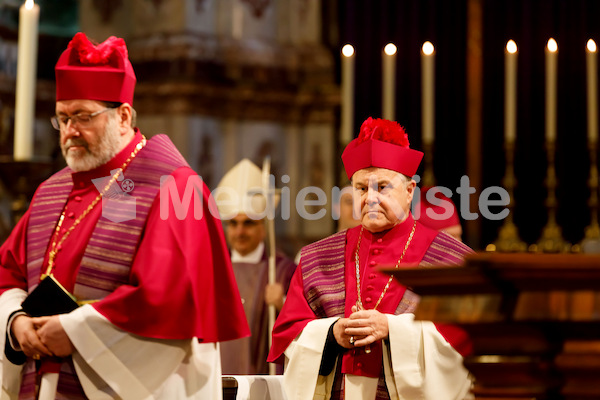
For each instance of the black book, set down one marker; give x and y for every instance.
(49, 298)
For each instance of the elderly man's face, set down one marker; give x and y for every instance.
(244, 233)
(88, 145)
(384, 197)
(347, 213)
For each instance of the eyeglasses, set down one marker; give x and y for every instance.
(80, 119)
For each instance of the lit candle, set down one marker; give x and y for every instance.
(510, 92)
(551, 62)
(388, 91)
(592, 90)
(347, 94)
(427, 92)
(26, 79)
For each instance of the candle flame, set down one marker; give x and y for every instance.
(591, 46)
(348, 50)
(552, 45)
(390, 49)
(511, 47)
(29, 4)
(428, 48)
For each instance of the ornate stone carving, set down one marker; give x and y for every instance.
(106, 8)
(258, 7)
(201, 5)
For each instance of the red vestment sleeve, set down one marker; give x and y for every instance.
(457, 337)
(292, 319)
(182, 283)
(13, 258)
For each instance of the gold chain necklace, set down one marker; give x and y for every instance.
(359, 300)
(57, 243)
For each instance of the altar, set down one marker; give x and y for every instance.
(534, 320)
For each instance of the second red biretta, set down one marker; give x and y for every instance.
(443, 212)
(381, 144)
(95, 72)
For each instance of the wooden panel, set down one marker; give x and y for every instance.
(534, 320)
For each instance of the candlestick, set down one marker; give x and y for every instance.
(551, 67)
(508, 235)
(592, 91)
(347, 94)
(388, 91)
(508, 240)
(26, 80)
(551, 240)
(591, 239)
(510, 92)
(428, 177)
(427, 92)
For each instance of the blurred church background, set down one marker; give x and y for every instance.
(230, 79)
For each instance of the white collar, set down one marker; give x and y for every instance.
(253, 257)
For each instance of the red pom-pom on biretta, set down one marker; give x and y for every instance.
(99, 54)
(384, 130)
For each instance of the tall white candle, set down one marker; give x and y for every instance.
(592, 90)
(388, 89)
(347, 94)
(427, 92)
(237, 19)
(551, 69)
(26, 80)
(510, 92)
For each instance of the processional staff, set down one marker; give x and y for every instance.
(269, 192)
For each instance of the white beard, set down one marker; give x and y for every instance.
(94, 153)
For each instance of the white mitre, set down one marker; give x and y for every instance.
(242, 191)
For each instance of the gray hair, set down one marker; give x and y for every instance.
(116, 104)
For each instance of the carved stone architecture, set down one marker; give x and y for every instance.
(231, 79)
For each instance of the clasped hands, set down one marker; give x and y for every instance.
(361, 328)
(41, 337)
